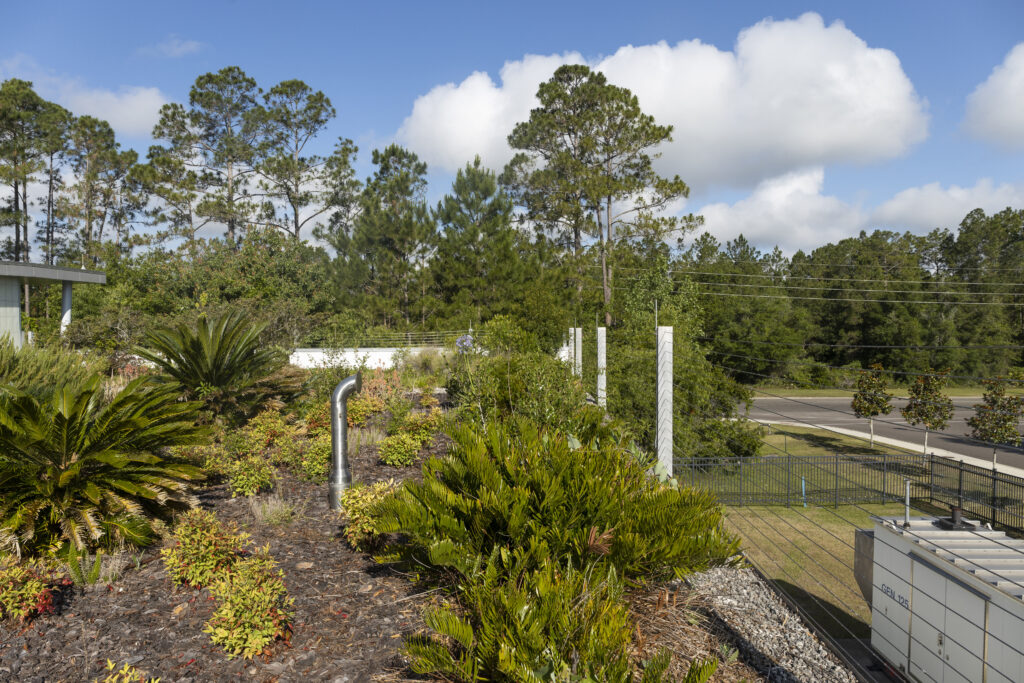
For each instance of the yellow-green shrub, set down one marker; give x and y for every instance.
(362, 407)
(318, 419)
(398, 450)
(26, 590)
(249, 475)
(422, 426)
(315, 460)
(357, 504)
(126, 674)
(203, 549)
(253, 609)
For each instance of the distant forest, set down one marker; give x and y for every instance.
(233, 209)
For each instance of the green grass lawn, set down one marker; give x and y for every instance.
(808, 552)
(810, 441)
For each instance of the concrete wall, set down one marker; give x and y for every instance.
(370, 357)
(10, 309)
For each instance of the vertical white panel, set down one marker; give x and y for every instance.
(664, 398)
(602, 368)
(65, 305)
(10, 309)
(578, 351)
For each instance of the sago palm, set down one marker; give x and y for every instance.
(222, 363)
(76, 469)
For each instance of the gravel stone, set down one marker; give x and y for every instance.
(773, 638)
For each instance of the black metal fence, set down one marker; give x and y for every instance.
(843, 479)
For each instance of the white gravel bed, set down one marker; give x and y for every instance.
(777, 642)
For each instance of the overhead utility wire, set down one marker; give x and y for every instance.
(853, 289)
(869, 265)
(891, 372)
(811, 278)
(856, 346)
(862, 301)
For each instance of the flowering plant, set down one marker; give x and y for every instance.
(464, 344)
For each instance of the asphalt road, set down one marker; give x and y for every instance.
(836, 412)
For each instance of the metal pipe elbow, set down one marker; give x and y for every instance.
(340, 475)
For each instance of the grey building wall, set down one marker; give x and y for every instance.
(10, 309)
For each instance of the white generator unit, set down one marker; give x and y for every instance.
(946, 599)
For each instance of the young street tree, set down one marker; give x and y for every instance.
(871, 398)
(927, 404)
(996, 418)
(585, 166)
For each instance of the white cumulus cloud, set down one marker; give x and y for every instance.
(788, 211)
(131, 110)
(791, 94)
(933, 206)
(172, 47)
(994, 109)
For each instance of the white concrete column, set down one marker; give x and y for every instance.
(663, 439)
(602, 368)
(10, 310)
(577, 359)
(65, 305)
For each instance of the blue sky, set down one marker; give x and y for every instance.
(792, 128)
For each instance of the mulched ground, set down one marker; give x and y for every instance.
(350, 613)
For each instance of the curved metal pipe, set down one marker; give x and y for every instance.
(340, 476)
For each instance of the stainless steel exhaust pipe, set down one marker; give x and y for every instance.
(340, 476)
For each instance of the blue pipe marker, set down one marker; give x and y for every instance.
(803, 490)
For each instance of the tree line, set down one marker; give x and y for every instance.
(233, 206)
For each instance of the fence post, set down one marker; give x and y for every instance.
(835, 460)
(931, 479)
(602, 368)
(789, 474)
(664, 394)
(741, 482)
(885, 477)
(992, 500)
(960, 484)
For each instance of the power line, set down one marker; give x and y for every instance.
(810, 278)
(790, 264)
(862, 301)
(852, 289)
(857, 346)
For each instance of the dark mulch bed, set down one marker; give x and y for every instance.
(350, 613)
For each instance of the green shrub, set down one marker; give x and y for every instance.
(213, 459)
(267, 431)
(536, 386)
(223, 363)
(398, 450)
(80, 469)
(26, 590)
(33, 369)
(422, 426)
(250, 474)
(546, 624)
(204, 548)
(544, 496)
(315, 459)
(361, 408)
(318, 419)
(253, 607)
(357, 505)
